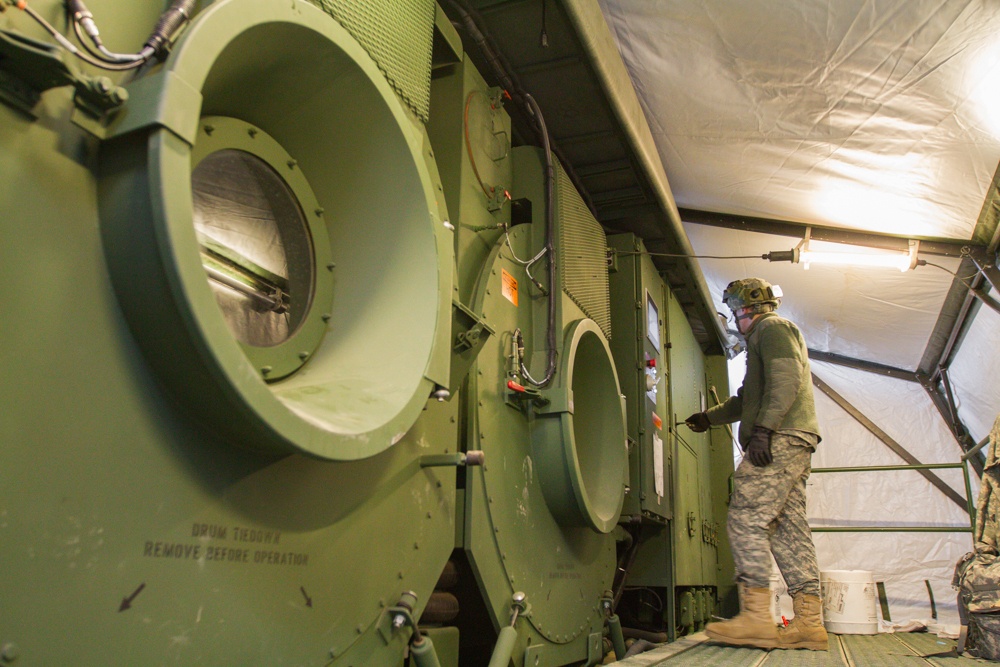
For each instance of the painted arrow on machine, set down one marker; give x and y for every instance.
(127, 602)
(309, 600)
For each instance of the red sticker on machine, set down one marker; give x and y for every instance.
(657, 422)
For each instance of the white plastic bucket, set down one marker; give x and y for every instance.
(849, 602)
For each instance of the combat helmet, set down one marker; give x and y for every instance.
(751, 293)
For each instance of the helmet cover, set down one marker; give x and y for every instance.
(751, 292)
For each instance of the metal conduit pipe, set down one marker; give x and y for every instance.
(595, 37)
(614, 625)
(423, 653)
(617, 639)
(504, 648)
(975, 450)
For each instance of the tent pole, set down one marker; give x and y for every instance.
(958, 429)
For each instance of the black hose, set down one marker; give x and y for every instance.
(640, 646)
(635, 633)
(470, 20)
(624, 565)
(550, 177)
(494, 60)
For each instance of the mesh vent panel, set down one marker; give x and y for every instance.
(398, 35)
(583, 251)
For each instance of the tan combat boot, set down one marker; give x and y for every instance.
(753, 626)
(806, 629)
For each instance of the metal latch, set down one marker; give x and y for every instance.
(29, 67)
(519, 396)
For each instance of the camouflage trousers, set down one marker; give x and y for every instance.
(768, 515)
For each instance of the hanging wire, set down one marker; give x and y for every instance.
(667, 254)
(964, 280)
(938, 266)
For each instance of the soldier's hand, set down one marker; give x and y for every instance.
(698, 422)
(759, 447)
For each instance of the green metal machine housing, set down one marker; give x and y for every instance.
(176, 488)
(678, 564)
(271, 300)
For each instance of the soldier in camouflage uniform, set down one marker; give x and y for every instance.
(767, 515)
(977, 575)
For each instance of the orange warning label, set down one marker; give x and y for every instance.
(657, 422)
(508, 286)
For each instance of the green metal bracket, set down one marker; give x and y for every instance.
(398, 617)
(522, 397)
(469, 334)
(498, 199)
(29, 67)
(161, 99)
(612, 260)
(595, 648)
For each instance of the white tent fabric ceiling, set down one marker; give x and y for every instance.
(867, 114)
(873, 115)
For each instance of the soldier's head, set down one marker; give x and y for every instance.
(750, 297)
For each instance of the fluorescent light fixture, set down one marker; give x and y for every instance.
(860, 256)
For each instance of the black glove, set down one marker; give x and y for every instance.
(698, 422)
(759, 447)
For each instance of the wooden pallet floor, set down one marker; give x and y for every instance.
(883, 650)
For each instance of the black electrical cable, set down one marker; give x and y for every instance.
(923, 262)
(550, 177)
(471, 21)
(667, 254)
(494, 60)
(81, 18)
(68, 45)
(169, 23)
(965, 281)
(624, 565)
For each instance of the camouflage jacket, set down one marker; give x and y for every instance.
(777, 390)
(977, 575)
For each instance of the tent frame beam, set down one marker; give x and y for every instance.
(960, 306)
(943, 247)
(897, 448)
(945, 403)
(862, 365)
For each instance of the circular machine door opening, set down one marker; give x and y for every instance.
(257, 246)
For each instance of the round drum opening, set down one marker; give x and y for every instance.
(579, 441)
(255, 246)
(258, 246)
(598, 429)
(285, 218)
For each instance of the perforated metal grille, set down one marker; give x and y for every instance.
(583, 254)
(399, 36)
